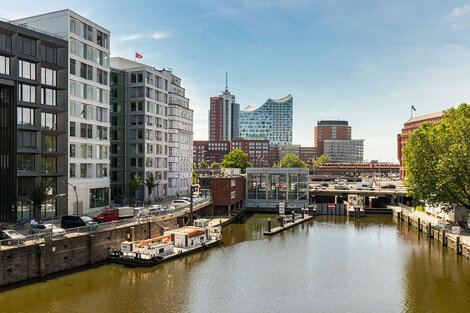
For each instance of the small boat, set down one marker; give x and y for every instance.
(172, 244)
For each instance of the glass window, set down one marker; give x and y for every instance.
(72, 129)
(48, 96)
(48, 77)
(48, 165)
(48, 120)
(25, 162)
(25, 116)
(83, 171)
(49, 54)
(26, 70)
(73, 65)
(5, 43)
(26, 139)
(72, 170)
(49, 143)
(4, 65)
(72, 150)
(26, 46)
(26, 93)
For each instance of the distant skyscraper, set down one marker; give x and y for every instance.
(271, 121)
(331, 130)
(224, 117)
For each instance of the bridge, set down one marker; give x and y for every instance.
(353, 169)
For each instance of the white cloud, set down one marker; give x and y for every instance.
(155, 35)
(463, 11)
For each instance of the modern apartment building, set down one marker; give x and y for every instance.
(344, 151)
(271, 121)
(410, 126)
(88, 103)
(330, 130)
(307, 154)
(224, 117)
(151, 130)
(33, 121)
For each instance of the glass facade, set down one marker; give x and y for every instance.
(269, 185)
(271, 121)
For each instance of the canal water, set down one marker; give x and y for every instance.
(330, 264)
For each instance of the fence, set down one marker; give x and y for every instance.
(77, 231)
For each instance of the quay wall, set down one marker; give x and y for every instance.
(37, 261)
(452, 241)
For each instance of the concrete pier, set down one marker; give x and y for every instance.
(286, 224)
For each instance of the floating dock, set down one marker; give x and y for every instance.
(288, 222)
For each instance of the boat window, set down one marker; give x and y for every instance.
(161, 250)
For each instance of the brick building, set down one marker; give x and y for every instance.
(331, 130)
(307, 154)
(410, 126)
(227, 188)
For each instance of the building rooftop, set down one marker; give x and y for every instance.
(332, 123)
(249, 108)
(424, 117)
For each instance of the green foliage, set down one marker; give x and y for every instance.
(203, 164)
(215, 165)
(38, 195)
(322, 159)
(437, 161)
(194, 178)
(133, 184)
(275, 164)
(291, 160)
(236, 159)
(151, 183)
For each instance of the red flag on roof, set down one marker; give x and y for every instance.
(138, 56)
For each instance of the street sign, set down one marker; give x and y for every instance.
(441, 224)
(331, 206)
(282, 208)
(456, 230)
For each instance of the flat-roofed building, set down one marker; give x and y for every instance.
(344, 151)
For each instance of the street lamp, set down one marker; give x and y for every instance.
(192, 202)
(74, 189)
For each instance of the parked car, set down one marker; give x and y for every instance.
(70, 221)
(141, 211)
(389, 186)
(11, 237)
(41, 228)
(341, 187)
(322, 186)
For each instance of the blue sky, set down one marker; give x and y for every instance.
(363, 61)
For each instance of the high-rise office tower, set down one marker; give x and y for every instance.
(330, 130)
(88, 103)
(224, 117)
(33, 122)
(271, 121)
(151, 130)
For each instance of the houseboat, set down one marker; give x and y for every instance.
(172, 244)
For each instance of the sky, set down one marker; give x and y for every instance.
(366, 61)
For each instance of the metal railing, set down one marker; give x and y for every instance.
(155, 216)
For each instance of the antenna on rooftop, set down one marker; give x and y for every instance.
(226, 81)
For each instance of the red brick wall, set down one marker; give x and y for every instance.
(216, 129)
(221, 190)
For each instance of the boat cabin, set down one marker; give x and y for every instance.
(188, 236)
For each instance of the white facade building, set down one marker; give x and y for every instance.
(159, 132)
(88, 109)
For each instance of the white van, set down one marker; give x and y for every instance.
(364, 186)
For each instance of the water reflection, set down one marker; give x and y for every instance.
(329, 264)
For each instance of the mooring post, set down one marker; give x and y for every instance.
(458, 245)
(293, 216)
(282, 220)
(419, 224)
(429, 230)
(132, 233)
(269, 225)
(303, 213)
(444, 238)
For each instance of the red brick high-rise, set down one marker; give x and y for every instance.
(330, 130)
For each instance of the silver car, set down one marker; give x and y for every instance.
(42, 228)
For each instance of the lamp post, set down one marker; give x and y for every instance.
(76, 194)
(53, 200)
(191, 205)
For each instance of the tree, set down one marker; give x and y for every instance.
(215, 165)
(38, 195)
(133, 184)
(194, 178)
(292, 160)
(203, 164)
(275, 164)
(322, 159)
(437, 161)
(236, 159)
(151, 183)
